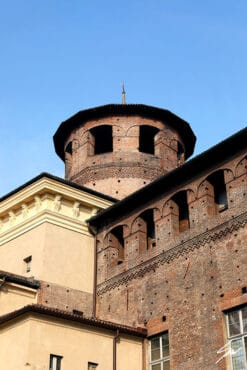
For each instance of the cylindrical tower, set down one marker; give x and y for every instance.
(118, 148)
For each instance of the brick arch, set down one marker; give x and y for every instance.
(131, 131)
(145, 229)
(126, 232)
(228, 175)
(167, 207)
(173, 143)
(83, 135)
(241, 167)
(176, 211)
(134, 225)
(118, 130)
(137, 224)
(114, 242)
(191, 197)
(202, 188)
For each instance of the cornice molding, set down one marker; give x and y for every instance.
(181, 249)
(46, 184)
(19, 289)
(47, 201)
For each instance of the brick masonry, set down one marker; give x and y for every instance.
(189, 278)
(125, 169)
(64, 298)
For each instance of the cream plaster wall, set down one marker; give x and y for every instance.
(59, 255)
(13, 296)
(14, 346)
(68, 258)
(30, 243)
(77, 344)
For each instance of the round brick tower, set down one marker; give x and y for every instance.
(118, 148)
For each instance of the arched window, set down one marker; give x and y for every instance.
(68, 148)
(102, 139)
(217, 181)
(149, 228)
(180, 199)
(143, 230)
(146, 139)
(116, 241)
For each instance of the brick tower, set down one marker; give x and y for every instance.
(118, 148)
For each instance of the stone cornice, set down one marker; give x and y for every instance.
(197, 242)
(47, 201)
(46, 184)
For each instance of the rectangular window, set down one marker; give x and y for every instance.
(237, 337)
(28, 261)
(159, 352)
(55, 362)
(92, 365)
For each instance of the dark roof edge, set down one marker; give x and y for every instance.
(61, 180)
(164, 115)
(48, 311)
(20, 280)
(207, 159)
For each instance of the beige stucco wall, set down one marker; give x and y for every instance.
(77, 344)
(30, 243)
(59, 255)
(13, 296)
(14, 345)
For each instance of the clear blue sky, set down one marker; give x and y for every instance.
(58, 57)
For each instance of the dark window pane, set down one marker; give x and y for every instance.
(155, 354)
(166, 365)
(234, 324)
(155, 349)
(165, 345)
(156, 367)
(244, 318)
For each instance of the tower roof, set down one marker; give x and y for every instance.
(165, 116)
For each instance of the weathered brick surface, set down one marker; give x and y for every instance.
(63, 298)
(189, 277)
(125, 169)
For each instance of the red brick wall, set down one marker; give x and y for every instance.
(66, 299)
(125, 169)
(189, 277)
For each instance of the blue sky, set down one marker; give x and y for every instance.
(58, 57)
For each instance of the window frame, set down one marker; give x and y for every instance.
(242, 335)
(58, 363)
(162, 359)
(91, 365)
(27, 264)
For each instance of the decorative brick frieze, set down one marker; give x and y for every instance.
(183, 248)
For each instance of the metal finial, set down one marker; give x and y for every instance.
(123, 94)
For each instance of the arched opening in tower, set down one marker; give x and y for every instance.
(146, 139)
(102, 136)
